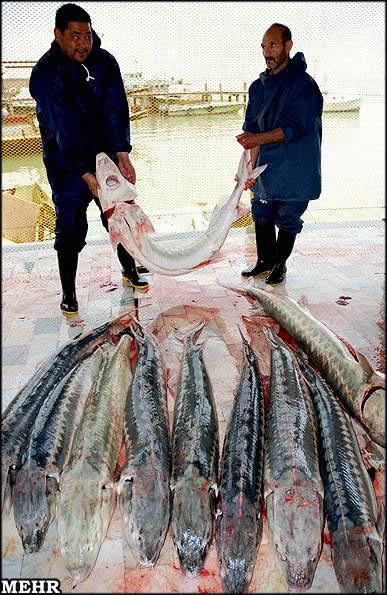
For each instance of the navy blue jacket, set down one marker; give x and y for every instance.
(79, 118)
(290, 100)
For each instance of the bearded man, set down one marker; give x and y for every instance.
(283, 129)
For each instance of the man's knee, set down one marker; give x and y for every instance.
(289, 216)
(71, 223)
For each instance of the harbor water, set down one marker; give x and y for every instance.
(185, 164)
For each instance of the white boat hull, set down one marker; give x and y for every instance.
(200, 109)
(341, 103)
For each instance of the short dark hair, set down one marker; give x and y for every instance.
(285, 31)
(70, 12)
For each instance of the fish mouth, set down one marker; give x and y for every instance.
(80, 573)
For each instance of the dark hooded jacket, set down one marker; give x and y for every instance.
(81, 111)
(290, 100)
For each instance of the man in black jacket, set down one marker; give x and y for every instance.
(82, 110)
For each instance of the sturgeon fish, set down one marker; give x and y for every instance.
(239, 521)
(350, 503)
(20, 415)
(37, 481)
(293, 488)
(357, 384)
(144, 494)
(129, 225)
(195, 451)
(88, 492)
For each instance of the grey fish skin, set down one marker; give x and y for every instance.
(239, 524)
(358, 385)
(144, 494)
(293, 487)
(350, 502)
(88, 491)
(37, 481)
(20, 415)
(195, 452)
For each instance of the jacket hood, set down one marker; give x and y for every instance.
(295, 65)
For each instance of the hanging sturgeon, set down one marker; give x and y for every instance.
(144, 494)
(37, 482)
(20, 415)
(195, 451)
(239, 521)
(358, 385)
(129, 225)
(293, 488)
(88, 493)
(350, 503)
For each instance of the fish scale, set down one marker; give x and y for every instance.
(49, 447)
(359, 386)
(195, 452)
(88, 493)
(350, 502)
(292, 417)
(292, 486)
(20, 415)
(144, 495)
(239, 522)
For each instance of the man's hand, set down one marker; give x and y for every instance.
(92, 183)
(125, 167)
(248, 140)
(249, 182)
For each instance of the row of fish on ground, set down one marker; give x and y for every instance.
(294, 461)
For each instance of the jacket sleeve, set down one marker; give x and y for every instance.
(250, 123)
(58, 113)
(116, 112)
(299, 116)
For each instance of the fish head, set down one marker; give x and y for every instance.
(33, 506)
(87, 503)
(374, 414)
(193, 512)
(295, 520)
(144, 509)
(237, 546)
(113, 187)
(357, 559)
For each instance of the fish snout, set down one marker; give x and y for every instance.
(234, 578)
(299, 579)
(32, 542)
(80, 572)
(191, 558)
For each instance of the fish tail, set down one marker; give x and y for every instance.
(190, 333)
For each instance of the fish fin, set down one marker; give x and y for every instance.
(364, 362)
(125, 479)
(215, 488)
(381, 519)
(114, 233)
(241, 289)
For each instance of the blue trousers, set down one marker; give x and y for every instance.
(71, 197)
(285, 214)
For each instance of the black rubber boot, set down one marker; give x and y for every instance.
(285, 244)
(265, 240)
(67, 263)
(129, 270)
